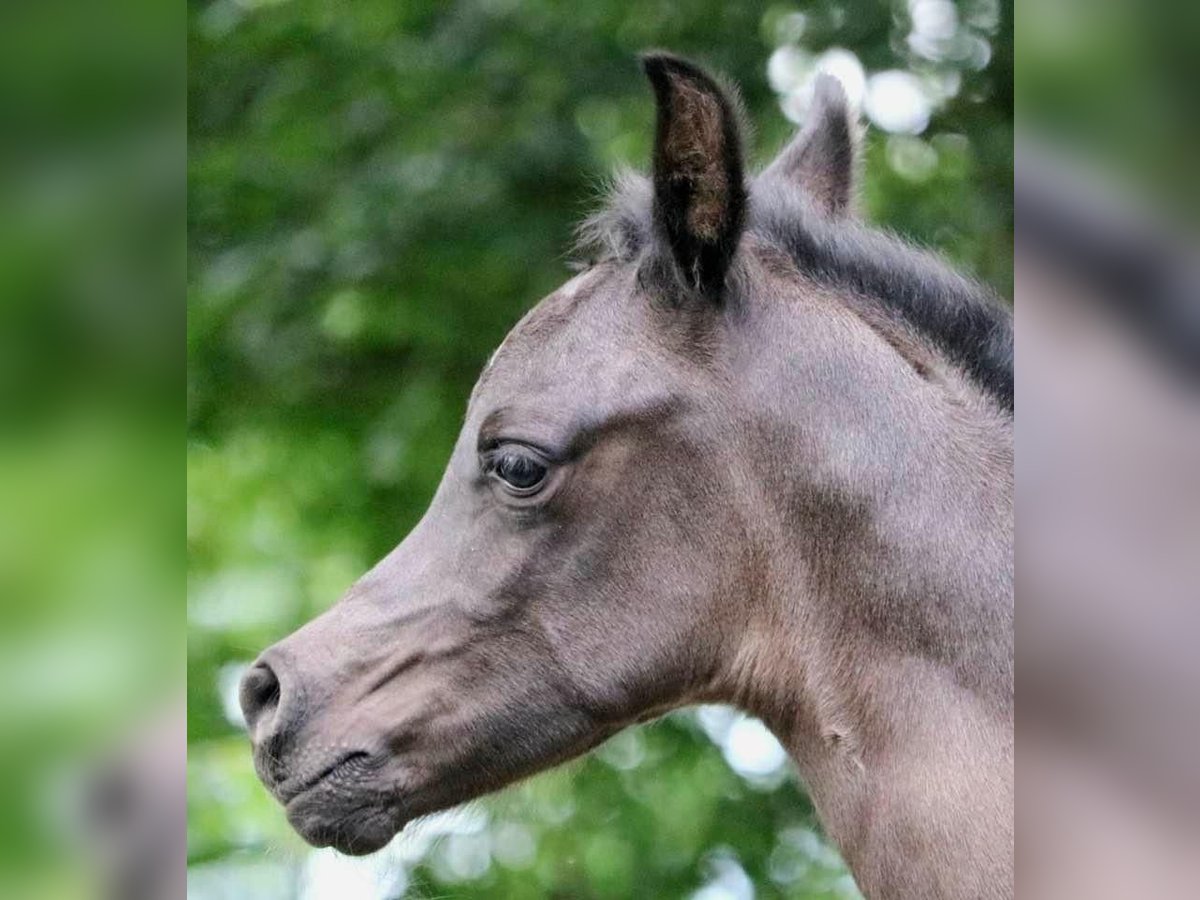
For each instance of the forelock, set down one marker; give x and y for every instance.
(622, 225)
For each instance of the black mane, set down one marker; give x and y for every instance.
(962, 318)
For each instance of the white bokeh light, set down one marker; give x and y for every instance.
(514, 846)
(846, 68)
(729, 880)
(229, 681)
(934, 27)
(752, 751)
(787, 69)
(328, 875)
(802, 73)
(896, 101)
(911, 157)
(790, 28)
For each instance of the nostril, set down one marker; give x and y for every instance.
(259, 696)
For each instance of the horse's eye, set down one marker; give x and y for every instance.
(520, 469)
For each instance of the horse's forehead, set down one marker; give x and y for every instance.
(577, 320)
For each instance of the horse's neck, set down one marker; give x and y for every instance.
(882, 652)
(908, 761)
(909, 770)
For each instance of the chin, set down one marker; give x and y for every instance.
(353, 829)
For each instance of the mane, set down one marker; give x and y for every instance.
(965, 320)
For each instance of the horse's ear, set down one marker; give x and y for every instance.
(821, 159)
(699, 187)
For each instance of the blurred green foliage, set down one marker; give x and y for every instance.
(376, 192)
(1114, 84)
(91, 215)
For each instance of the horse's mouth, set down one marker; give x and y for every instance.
(286, 793)
(355, 830)
(355, 821)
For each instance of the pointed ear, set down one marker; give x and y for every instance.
(821, 159)
(699, 187)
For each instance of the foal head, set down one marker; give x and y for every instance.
(601, 547)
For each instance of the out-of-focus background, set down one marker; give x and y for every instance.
(91, 506)
(1108, 437)
(377, 191)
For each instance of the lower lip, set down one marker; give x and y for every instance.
(333, 821)
(345, 837)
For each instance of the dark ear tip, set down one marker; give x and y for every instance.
(654, 60)
(660, 65)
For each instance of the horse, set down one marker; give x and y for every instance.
(754, 453)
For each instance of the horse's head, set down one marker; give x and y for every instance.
(600, 514)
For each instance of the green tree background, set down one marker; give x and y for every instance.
(376, 191)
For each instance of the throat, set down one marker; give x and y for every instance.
(882, 660)
(910, 771)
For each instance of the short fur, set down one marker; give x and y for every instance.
(964, 320)
(794, 496)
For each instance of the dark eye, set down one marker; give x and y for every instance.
(520, 469)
